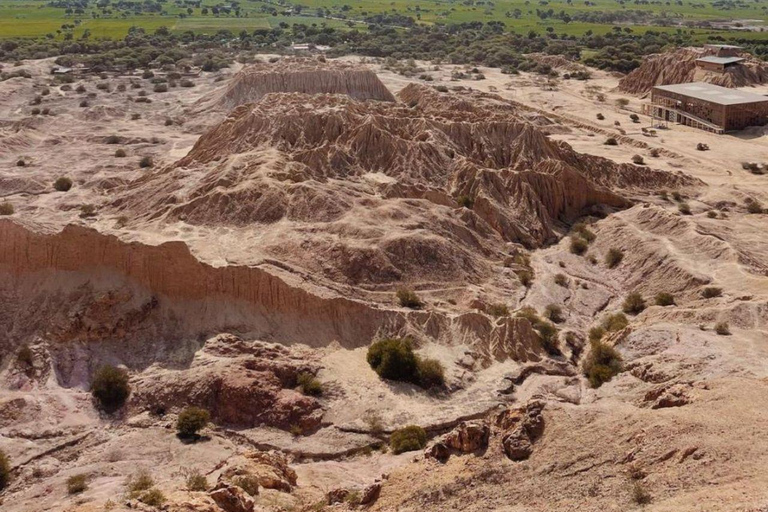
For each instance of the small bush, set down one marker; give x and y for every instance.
(611, 141)
(84, 104)
(408, 299)
(684, 208)
(87, 210)
(430, 373)
(640, 495)
(637, 159)
(25, 356)
(62, 184)
(754, 207)
(147, 74)
(465, 201)
(655, 152)
(160, 88)
(76, 484)
(191, 421)
(548, 334)
(614, 257)
(186, 83)
(112, 139)
(110, 388)
(80, 88)
(140, 481)
(120, 153)
(677, 196)
(710, 292)
(169, 122)
(21, 163)
(393, 359)
(579, 246)
(601, 364)
(722, 328)
(702, 147)
(498, 310)
(635, 118)
(712, 214)
(584, 232)
(561, 280)
(5, 470)
(35, 111)
(613, 323)
(6, 208)
(248, 483)
(633, 304)
(408, 439)
(146, 162)
(596, 334)
(196, 481)
(554, 313)
(153, 497)
(525, 277)
(600, 117)
(664, 299)
(309, 384)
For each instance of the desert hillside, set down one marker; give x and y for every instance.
(316, 284)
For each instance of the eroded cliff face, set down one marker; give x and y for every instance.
(78, 285)
(679, 66)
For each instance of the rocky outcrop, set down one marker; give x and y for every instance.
(270, 469)
(521, 428)
(468, 437)
(231, 498)
(306, 76)
(679, 66)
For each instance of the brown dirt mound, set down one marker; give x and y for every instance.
(679, 66)
(307, 76)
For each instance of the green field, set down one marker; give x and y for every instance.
(34, 18)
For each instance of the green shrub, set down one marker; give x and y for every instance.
(561, 280)
(62, 184)
(430, 373)
(578, 245)
(584, 232)
(5, 470)
(110, 388)
(408, 299)
(754, 207)
(722, 328)
(615, 322)
(596, 334)
(248, 483)
(640, 495)
(393, 359)
(554, 313)
(153, 497)
(526, 278)
(684, 208)
(633, 304)
(145, 162)
(196, 481)
(120, 153)
(76, 484)
(665, 299)
(611, 141)
(465, 201)
(638, 160)
(160, 88)
(600, 117)
(25, 356)
(677, 196)
(408, 439)
(192, 420)
(112, 139)
(712, 214)
(6, 208)
(548, 334)
(309, 384)
(140, 481)
(614, 257)
(498, 310)
(710, 292)
(601, 364)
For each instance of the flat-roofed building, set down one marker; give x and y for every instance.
(718, 64)
(707, 106)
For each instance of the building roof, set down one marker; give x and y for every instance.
(713, 93)
(723, 46)
(720, 60)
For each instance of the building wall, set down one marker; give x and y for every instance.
(710, 66)
(728, 117)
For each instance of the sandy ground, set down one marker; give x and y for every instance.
(581, 462)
